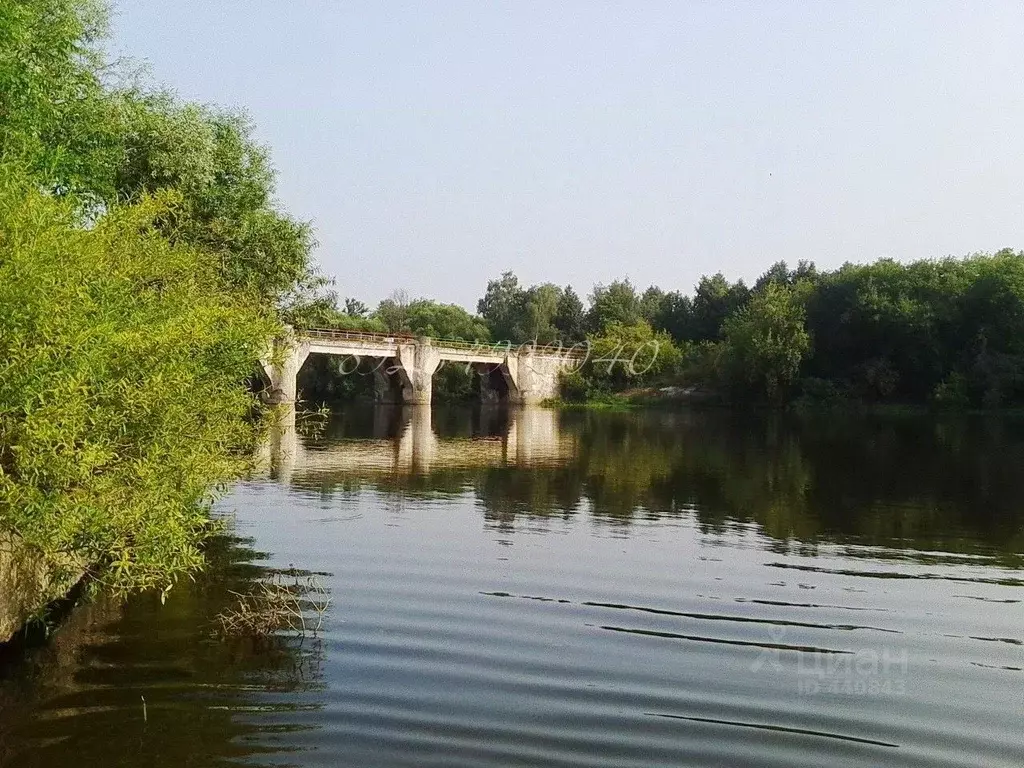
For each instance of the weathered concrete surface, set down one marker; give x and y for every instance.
(535, 377)
(406, 366)
(29, 582)
(419, 361)
(282, 364)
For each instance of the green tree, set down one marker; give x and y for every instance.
(355, 308)
(674, 315)
(503, 307)
(313, 303)
(765, 342)
(993, 314)
(713, 301)
(445, 321)
(65, 117)
(615, 303)
(540, 305)
(627, 356)
(55, 116)
(781, 274)
(393, 312)
(226, 185)
(122, 401)
(651, 302)
(570, 317)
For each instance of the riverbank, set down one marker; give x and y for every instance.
(667, 398)
(31, 582)
(120, 415)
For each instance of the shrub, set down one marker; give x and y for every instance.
(122, 357)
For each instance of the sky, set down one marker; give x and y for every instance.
(435, 145)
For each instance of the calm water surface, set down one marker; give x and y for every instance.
(542, 589)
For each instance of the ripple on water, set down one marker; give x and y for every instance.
(489, 613)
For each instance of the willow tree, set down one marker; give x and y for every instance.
(122, 405)
(83, 127)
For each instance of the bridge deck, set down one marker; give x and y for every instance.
(334, 341)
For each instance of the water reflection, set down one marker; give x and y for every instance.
(909, 486)
(145, 683)
(403, 441)
(532, 588)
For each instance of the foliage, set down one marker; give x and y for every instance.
(502, 307)
(55, 116)
(326, 379)
(355, 308)
(446, 321)
(780, 274)
(570, 317)
(943, 331)
(121, 397)
(765, 342)
(424, 317)
(713, 301)
(540, 307)
(573, 387)
(615, 304)
(393, 312)
(455, 382)
(452, 381)
(695, 319)
(951, 392)
(672, 314)
(543, 313)
(314, 304)
(890, 331)
(625, 355)
(83, 129)
(226, 185)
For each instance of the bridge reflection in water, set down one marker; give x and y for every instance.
(404, 442)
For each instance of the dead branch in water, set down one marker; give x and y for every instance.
(281, 603)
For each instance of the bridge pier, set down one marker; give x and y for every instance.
(496, 385)
(417, 362)
(387, 382)
(533, 376)
(282, 366)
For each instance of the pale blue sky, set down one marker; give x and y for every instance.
(436, 144)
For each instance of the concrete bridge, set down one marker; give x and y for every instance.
(404, 366)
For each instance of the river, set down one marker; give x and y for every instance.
(574, 589)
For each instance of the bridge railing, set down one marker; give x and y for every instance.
(485, 347)
(368, 336)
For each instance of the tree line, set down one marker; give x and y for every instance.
(947, 331)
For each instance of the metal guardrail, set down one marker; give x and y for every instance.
(483, 347)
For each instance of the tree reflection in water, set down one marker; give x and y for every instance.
(110, 655)
(918, 482)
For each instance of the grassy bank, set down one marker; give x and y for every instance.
(639, 400)
(613, 403)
